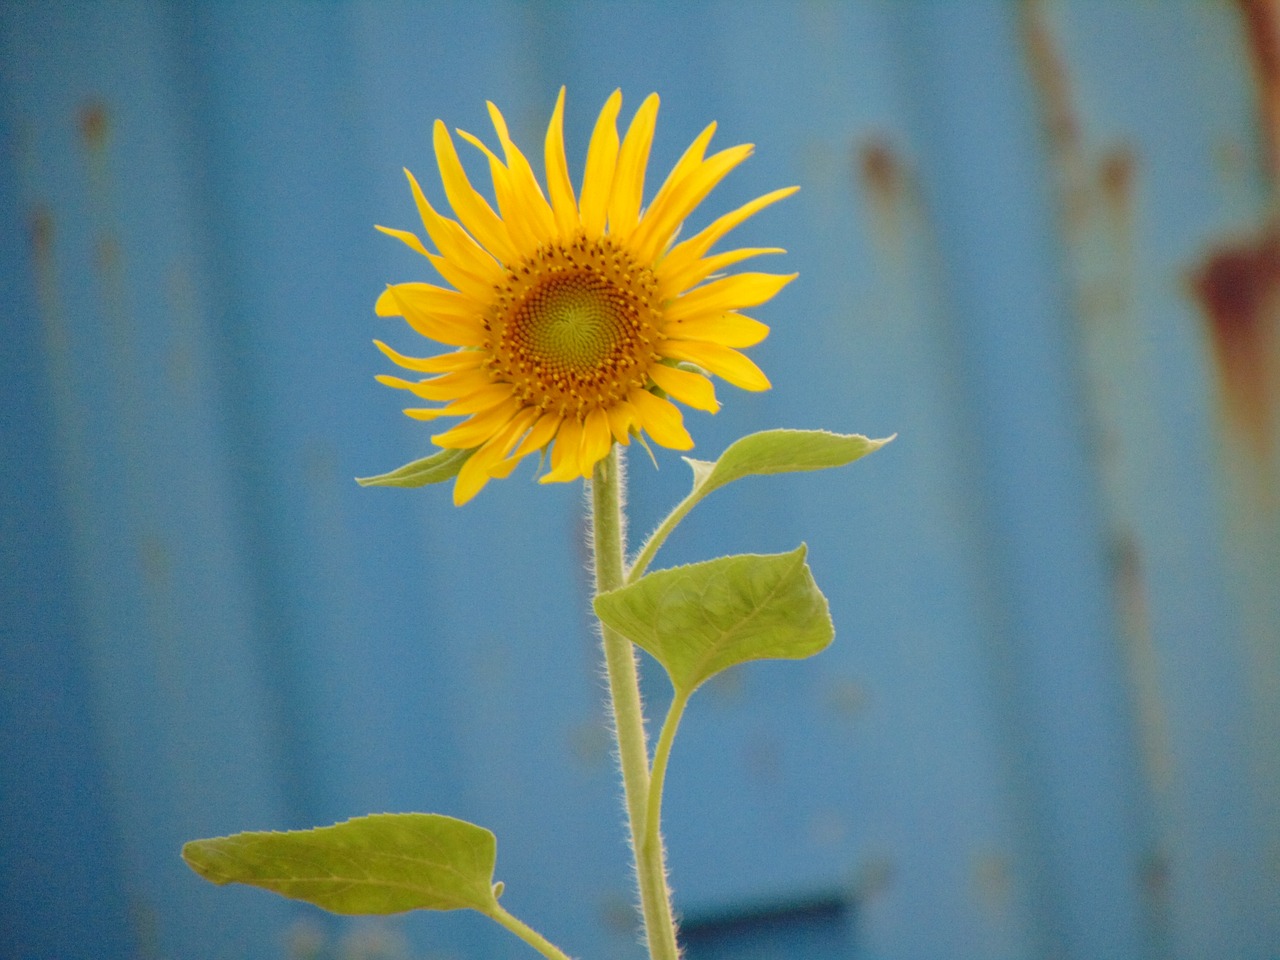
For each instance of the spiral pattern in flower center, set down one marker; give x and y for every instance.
(574, 327)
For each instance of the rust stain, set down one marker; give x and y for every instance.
(95, 126)
(1097, 188)
(886, 181)
(1237, 286)
(880, 170)
(1128, 571)
(1051, 77)
(1116, 175)
(1261, 21)
(1058, 117)
(42, 238)
(1084, 182)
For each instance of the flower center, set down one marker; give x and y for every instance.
(571, 321)
(573, 327)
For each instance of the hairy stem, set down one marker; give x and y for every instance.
(527, 934)
(628, 716)
(659, 536)
(661, 754)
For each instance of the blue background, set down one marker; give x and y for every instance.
(1033, 240)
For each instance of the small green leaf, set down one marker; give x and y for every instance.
(781, 451)
(770, 451)
(703, 618)
(382, 863)
(436, 468)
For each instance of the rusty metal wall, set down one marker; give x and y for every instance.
(1036, 239)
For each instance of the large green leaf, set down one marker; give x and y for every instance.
(703, 618)
(436, 468)
(766, 452)
(383, 863)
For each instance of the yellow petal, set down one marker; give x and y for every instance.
(686, 252)
(508, 437)
(628, 180)
(662, 220)
(475, 472)
(689, 161)
(451, 386)
(727, 364)
(539, 435)
(471, 208)
(444, 331)
(596, 440)
(602, 159)
(435, 324)
(565, 453)
(726, 329)
(423, 413)
(446, 362)
(661, 419)
(456, 271)
(450, 239)
(503, 468)
(559, 186)
(410, 240)
(426, 298)
(479, 289)
(520, 228)
(688, 387)
(477, 429)
(523, 180)
(516, 429)
(621, 416)
(479, 399)
(728, 293)
(674, 283)
(422, 389)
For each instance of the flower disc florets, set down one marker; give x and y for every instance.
(574, 327)
(576, 320)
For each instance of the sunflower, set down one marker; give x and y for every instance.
(575, 321)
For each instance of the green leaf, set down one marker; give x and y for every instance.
(703, 618)
(382, 863)
(770, 451)
(781, 451)
(436, 468)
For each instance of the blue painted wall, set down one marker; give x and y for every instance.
(1034, 240)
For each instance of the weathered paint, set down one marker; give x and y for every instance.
(1237, 287)
(1104, 199)
(1260, 20)
(1095, 193)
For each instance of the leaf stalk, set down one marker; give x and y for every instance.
(500, 915)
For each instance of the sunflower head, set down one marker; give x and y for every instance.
(573, 320)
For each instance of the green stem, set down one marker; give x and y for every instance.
(661, 754)
(628, 716)
(659, 536)
(527, 933)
